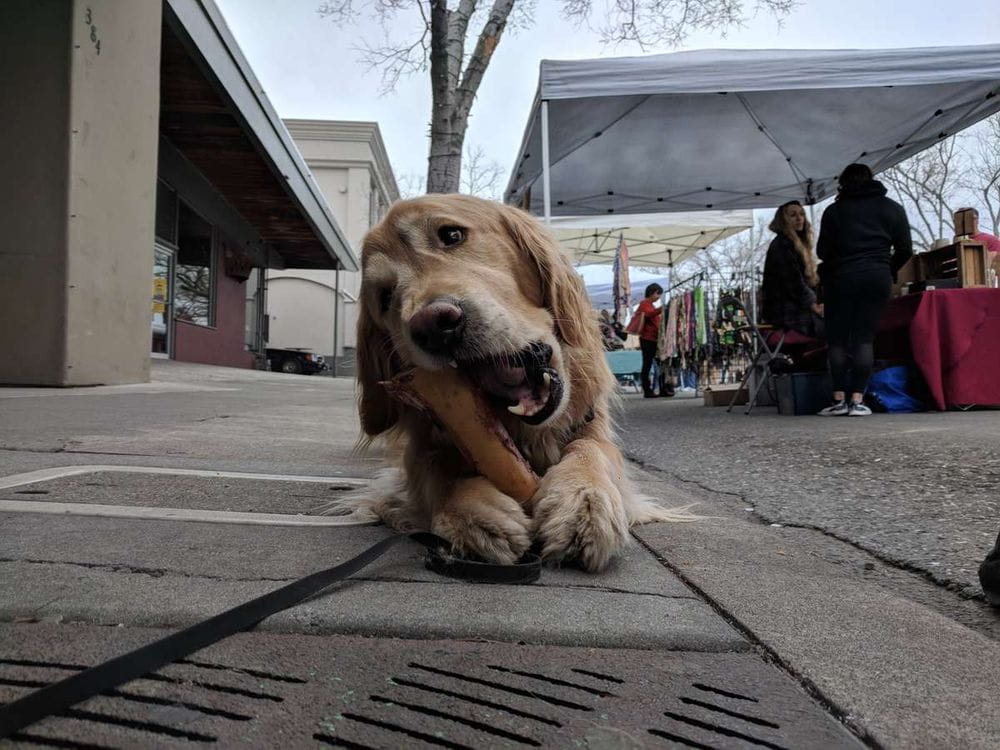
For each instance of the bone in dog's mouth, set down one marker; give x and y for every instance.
(523, 381)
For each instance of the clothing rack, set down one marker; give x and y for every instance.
(722, 358)
(700, 276)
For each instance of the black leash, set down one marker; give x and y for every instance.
(59, 696)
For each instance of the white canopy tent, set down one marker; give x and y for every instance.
(653, 240)
(726, 129)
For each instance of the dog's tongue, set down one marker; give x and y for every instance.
(510, 376)
(512, 385)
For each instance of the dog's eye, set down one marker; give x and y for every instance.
(451, 236)
(385, 298)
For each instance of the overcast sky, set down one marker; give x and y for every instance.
(308, 65)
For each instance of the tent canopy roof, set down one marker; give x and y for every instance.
(652, 239)
(726, 129)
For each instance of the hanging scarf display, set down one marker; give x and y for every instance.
(682, 323)
(701, 331)
(621, 286)
(667, 344)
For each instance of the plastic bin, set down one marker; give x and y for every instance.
(803, 392)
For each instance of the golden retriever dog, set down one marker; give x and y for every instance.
(456, 281)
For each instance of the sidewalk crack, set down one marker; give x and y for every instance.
(138, 570)
(963, 590)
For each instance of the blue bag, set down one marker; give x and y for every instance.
(893, 389)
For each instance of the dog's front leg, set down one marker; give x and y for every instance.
(579, 510)
(466, 510)
(478, 519)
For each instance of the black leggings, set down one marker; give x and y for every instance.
(648, 354)
(853, 308)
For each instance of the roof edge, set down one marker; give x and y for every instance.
(206, 30)
(364, 131)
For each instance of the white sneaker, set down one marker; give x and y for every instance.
(838, 409)
(858, 410)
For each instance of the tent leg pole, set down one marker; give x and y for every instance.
(546, 184)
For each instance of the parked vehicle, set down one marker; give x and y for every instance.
(295, 361)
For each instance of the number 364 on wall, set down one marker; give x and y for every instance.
(88, 19)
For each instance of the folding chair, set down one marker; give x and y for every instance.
(769, 351)
(765, 356)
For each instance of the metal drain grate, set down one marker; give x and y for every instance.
(304, 691)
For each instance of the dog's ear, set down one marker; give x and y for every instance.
(376, 361)
(563, 289)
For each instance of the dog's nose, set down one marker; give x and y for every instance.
(438, 326)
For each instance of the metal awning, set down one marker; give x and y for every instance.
(215, 112)
(726, 129)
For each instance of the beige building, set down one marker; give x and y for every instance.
(349, 163)
(147, 184)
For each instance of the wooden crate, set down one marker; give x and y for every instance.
(965, 260)
(964, 220)
(720, 395)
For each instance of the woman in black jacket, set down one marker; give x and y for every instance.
(790, 280)
(864, 239)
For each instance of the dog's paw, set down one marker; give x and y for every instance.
(480, 520)
(579, 517)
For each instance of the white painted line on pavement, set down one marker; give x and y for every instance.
(60, 472)
(176, 514)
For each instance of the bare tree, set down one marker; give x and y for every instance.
(981, 177)
(929, 185)
(734, 257)
(410, 184)
(441, 36)
(480, 176)
(655, 23)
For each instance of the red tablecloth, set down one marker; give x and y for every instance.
(954, 338)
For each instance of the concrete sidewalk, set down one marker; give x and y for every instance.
(725, 633)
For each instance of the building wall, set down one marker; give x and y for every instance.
(33, 191)
(115, 99)
(79, 156)
(221, 344)
(346, 161)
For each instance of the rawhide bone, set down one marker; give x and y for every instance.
(449, 399)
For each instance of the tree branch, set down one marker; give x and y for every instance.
(652, 23)
(479, 61)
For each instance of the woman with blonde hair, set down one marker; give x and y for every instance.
(790, 279)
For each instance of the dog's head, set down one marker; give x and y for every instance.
(456, 281)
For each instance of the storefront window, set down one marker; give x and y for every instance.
(163, 262)
(166, 213)
(194, 277)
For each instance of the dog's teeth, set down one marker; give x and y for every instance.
(453, 363)
(518, 410)
(546, 378)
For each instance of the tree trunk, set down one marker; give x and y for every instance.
(452, 90)
(439, 168)
(444, 165)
